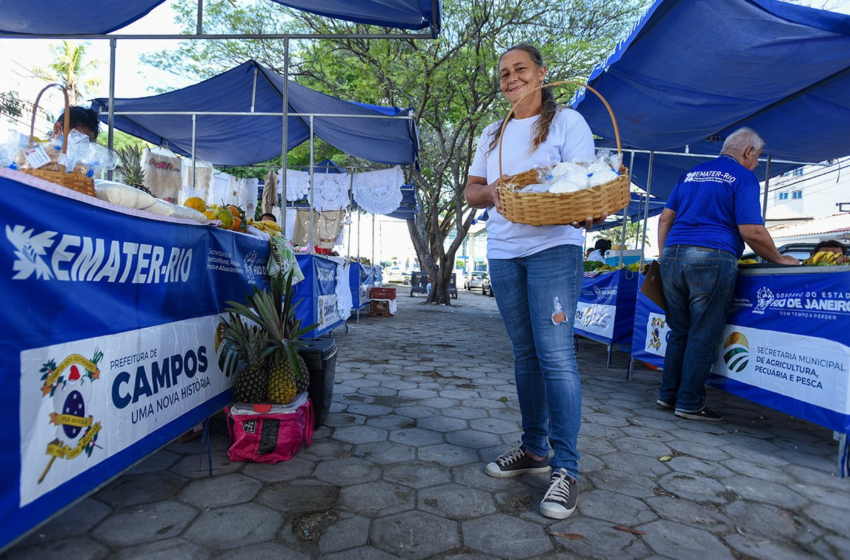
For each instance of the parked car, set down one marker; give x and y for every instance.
(475, 280)
(486, 288)
(395, 275)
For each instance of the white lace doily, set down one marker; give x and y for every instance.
(379, 192)
(330, 191)
(297, 184)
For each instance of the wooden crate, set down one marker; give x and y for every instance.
(378, 308)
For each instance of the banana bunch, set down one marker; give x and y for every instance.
(272, 228)
(747, 261)
(824, 258)
(634, 267)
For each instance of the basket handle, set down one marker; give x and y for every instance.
(66, 124)
(521, 99)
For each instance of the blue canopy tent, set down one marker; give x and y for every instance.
(634, 211)
(51, 18)
(238, 139)
(691, 72)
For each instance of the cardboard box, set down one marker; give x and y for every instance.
(652, 286)
(382, 293)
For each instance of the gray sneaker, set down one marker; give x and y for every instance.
(560, 500)
(516, 462)
(704, 415)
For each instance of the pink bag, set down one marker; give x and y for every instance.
(269, 433)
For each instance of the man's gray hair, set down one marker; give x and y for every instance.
(738, 142)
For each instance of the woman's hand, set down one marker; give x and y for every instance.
(590, 222)
(494, 191)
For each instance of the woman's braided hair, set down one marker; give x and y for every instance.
(548, 108)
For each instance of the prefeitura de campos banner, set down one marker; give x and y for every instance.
(109, 349)
(787, 344)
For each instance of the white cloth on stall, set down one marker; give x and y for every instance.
(248, 195)
(330, 191)
(219, 188)
(162, 173)
(379, 192)
(297, 185)
(203, 176)
(291, 216)
(344, 299)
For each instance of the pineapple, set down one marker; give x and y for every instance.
(251, 344)
(131, 167)
(274, 314)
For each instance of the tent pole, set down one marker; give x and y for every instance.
(111, 137)
(646, 208)
(254, 90)
(350, 190)
(199, 30)
(285, 121)
(358, 236)
(312, 210)
(194, 157)
(626, 213)
(373, 240)
(766, 185)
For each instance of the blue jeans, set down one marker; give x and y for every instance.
(537, 297)
(699, 284)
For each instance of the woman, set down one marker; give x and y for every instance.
(536, 274)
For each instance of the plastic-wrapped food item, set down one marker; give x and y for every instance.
(165, 208)
(95, 157)
(568, 177)
(600, 172)
(11, 143)
(123, 195)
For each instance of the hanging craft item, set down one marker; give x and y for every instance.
(269, 192)
(297, 185)
(203, 175)
(379, 192)
(163, 176)
(330, 191)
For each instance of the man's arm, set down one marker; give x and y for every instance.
(757, 237)
(665, 222)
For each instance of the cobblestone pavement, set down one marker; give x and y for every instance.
(422, 401)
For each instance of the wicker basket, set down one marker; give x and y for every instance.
(74, 181)
(543, 209)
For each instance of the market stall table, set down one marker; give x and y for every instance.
(110, 350)
(786, 344)
(605, 311)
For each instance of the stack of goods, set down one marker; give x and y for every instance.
(825, 258)
(382, 302)
(567, 177)
(227, 217)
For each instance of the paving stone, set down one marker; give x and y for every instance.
(217, 491)
(380, 391)
(360, 434)
(417, 437)
(627, 484)
(594, 446)
(833, 547)
(764, 550)
(325, 449)
(696, 488)
(615, 508)
(218, 442)
(493, 425)
(81, 548)
(458, 394)
(295, 467)
(456, 502)
(465, 413)
(417, 411)
(698, 450)
(344, 420)
(298, 495)
(755, 470)
(141, 489)
(634, 463)
(377, 498)
(771, 522)
(600, 540)
(605, 420)
(418, 394)
(343, 472)
(448, 455)
(691, 514)
(642, 432)
(702, 438)
(598, 431)
(411, 535)
(75, 521)
(676, 540)
(145, 524)
(391, 422)
(442, 424)
(472, 439)
(262, 551)
(418, 474)
(764, 491)
(234, 526)
(346, 533)
(364, 553)
(834, 519)
(643, 447)
(198, 466)
(385, 452)
(164, 550)
(503, 536)
(473, 476)
(369, 410)
(699, 467)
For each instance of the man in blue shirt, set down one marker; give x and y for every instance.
(713, 210)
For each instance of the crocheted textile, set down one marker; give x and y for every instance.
(162, 173)
(379, 192)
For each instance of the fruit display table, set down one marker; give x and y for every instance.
(786, 344)
(606, 309)
(110, 342)
(318, 292)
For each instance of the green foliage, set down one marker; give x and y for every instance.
(120, 140)
(633, 234)
(71, 69)
(11, 104)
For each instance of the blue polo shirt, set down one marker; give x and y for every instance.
(711, 201)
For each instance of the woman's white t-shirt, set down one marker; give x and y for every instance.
(569, 139)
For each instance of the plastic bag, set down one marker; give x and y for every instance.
(11, 143)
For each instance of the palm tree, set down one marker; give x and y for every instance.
(71, 70)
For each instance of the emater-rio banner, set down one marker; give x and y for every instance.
(109, 350)
(787, 344)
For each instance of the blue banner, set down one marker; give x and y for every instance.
(606, 308)
(109, 350)
(360, 280)
(649, 341)
(317, 292)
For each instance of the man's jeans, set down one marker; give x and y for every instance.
(699, 284)
(537, 298)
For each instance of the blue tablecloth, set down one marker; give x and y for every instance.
(606, 308)
(110, 341)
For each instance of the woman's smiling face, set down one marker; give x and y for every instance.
(519, 75)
